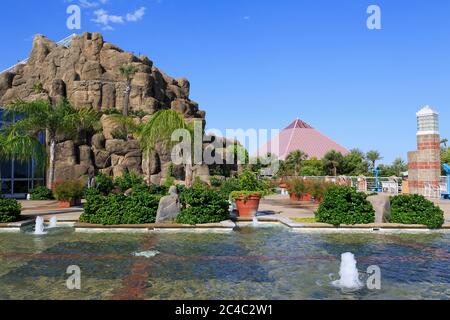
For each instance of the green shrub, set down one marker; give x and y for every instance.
(128, 181)
(9, 210)
(248, 181)
(41, 193)
(416, 209)
(69, 190)
(137, 208)
(202, 205)
(157, 189)
(244, 194)
(104, 184)
(230, 185)
(216, 181)
(344, 205)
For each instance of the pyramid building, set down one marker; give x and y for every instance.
(300, 136)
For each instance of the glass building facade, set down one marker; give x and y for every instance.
(17, 178)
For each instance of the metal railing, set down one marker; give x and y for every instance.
(66, 42)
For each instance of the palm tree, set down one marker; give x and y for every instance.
(158, 131)
(444, 143)
(295, 159)
(373, 156)
(127, 71)
(20, 139)
(333, 160)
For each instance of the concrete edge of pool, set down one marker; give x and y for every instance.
(230, 226)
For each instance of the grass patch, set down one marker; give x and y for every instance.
(304, 220)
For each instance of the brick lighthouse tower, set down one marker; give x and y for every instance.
(425, 163)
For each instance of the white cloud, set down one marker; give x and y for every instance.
(137, 15)
(104, 19)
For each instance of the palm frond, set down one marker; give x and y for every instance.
(160, 128)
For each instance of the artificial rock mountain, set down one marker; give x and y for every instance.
(87, 74)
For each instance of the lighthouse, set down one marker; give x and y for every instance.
(424, 165)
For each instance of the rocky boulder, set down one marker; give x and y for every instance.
(169, 207)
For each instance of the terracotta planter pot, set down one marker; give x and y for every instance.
(304, 197)
(248, 207)
(64, 204)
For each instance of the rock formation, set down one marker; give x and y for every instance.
(87, 74)
(169, 207)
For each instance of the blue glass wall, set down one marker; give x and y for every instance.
(18, 178)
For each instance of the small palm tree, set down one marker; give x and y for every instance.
(332, 160)
(127, 71)
(295, 159)
(373, 156)
(158, 131)
(20, 139)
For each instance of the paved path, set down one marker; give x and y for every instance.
(282, 206)
(48, 209)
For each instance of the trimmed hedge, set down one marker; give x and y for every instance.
(9, 210)
(137, 208)
(202, 205)
(344, 205)
(416, 209)
(41, 193)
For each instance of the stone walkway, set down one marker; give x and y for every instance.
(48, 209)
(282, 206)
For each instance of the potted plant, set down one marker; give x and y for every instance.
(247, 199)
(298, 190)
(69, 193)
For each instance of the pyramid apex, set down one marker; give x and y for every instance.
(298, 124)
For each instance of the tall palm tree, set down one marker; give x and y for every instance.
(127, 71)
(20, 139)
(332, 161)
(373, 156)
(294, 160)
(158, 131)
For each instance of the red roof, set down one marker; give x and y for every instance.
(301, 136)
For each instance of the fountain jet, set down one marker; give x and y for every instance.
(348, 273)
(39, 226)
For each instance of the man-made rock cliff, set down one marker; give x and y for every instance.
(87, 74)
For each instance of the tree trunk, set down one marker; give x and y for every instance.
(148, 153)
(126, 101)
(188, 175)
(51, 169)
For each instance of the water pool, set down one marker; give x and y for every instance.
(249, 263)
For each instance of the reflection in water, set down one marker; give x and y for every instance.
(252, 263)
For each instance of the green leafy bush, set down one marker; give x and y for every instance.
(202, 205)
(230, 185)
(69, 190)
(157, 189)
(128, 181)
(9, 210)
(416, 209)
(248, 181)
(41, 193)
(344, 205)
(245, 195)
(137, 208)
(104, 184)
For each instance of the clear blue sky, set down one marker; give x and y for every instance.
(261, 64)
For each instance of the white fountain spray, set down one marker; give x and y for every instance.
(39, 226)
(348, 273)
(255, 221)
(53, 222)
